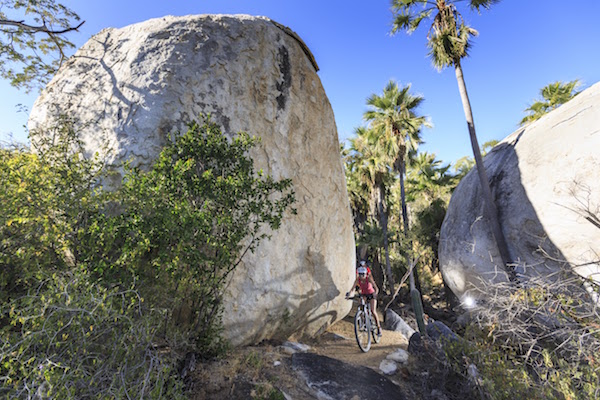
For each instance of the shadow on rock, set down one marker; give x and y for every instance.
(334, 379)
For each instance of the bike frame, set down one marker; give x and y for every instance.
(365, 327)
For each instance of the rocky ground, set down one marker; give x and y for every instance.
(270, 371)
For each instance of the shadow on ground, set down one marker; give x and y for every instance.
(335, 379)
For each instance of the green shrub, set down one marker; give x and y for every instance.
(44, 200)
(73, 339)
(65, 335)
(539, 340)
(184, 226)
(105, 293)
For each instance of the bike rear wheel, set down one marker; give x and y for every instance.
(362, 330)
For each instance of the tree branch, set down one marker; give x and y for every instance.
(41, 28)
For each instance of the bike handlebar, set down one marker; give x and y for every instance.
(358, 296)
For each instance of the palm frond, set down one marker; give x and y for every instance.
(402, 22)
(407, 19)
(479, 4)
(553, 96)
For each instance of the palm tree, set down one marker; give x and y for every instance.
(428, 179)
(369, 167)
(448, 40)
(429, 185)
(554, 95)
(357, 185)
(396, 130)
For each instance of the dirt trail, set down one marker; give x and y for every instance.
(251, 372)
(347, 349)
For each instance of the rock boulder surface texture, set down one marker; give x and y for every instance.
(545, 179)
(132, 86)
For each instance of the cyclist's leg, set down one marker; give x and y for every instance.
(374, 312)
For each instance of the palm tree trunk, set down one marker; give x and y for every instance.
(415, 294)
(400, 168)
(383, 217)
(490, 206)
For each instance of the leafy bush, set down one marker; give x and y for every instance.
(184, 226)
(44, 200)
(104, 293)
(73, 339)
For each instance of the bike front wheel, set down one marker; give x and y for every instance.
(362, 330)
(374, 331)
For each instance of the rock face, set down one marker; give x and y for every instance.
(544, 178)
(132, 86)
(329, 378)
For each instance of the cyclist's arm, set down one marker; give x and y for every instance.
(354, 285)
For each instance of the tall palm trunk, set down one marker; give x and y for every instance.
(490, 206)
(411, 277)
(383, 218)
(415, 294)
(399, 165)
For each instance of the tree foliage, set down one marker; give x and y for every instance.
(187, 223)
(463, 165)
(105, 293)
(33, 42)
(553, 95)
(448, 37)
(449, 40)
(396, 129)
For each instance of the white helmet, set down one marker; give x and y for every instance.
(363, 263)
(361, 271)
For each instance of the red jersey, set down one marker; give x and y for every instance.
(365, 286)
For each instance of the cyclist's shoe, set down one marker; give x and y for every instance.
(379, 332)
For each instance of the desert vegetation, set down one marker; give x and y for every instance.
(530, 339)
(109, 294)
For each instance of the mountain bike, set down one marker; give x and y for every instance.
(365, 326)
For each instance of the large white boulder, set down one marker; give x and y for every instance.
(132, 86)
(545, 180)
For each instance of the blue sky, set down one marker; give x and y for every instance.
(522, 46)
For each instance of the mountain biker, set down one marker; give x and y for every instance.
(367, 288)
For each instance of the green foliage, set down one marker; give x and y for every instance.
(63, 334)
(26, 59)
(553, 95)
(377, 158)
(449, 38)
(540, 340)
(463, 165)
(104, 293)
(184, 226)
(498, 374)
(481, 365)
(73, 339)
(44, 202)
